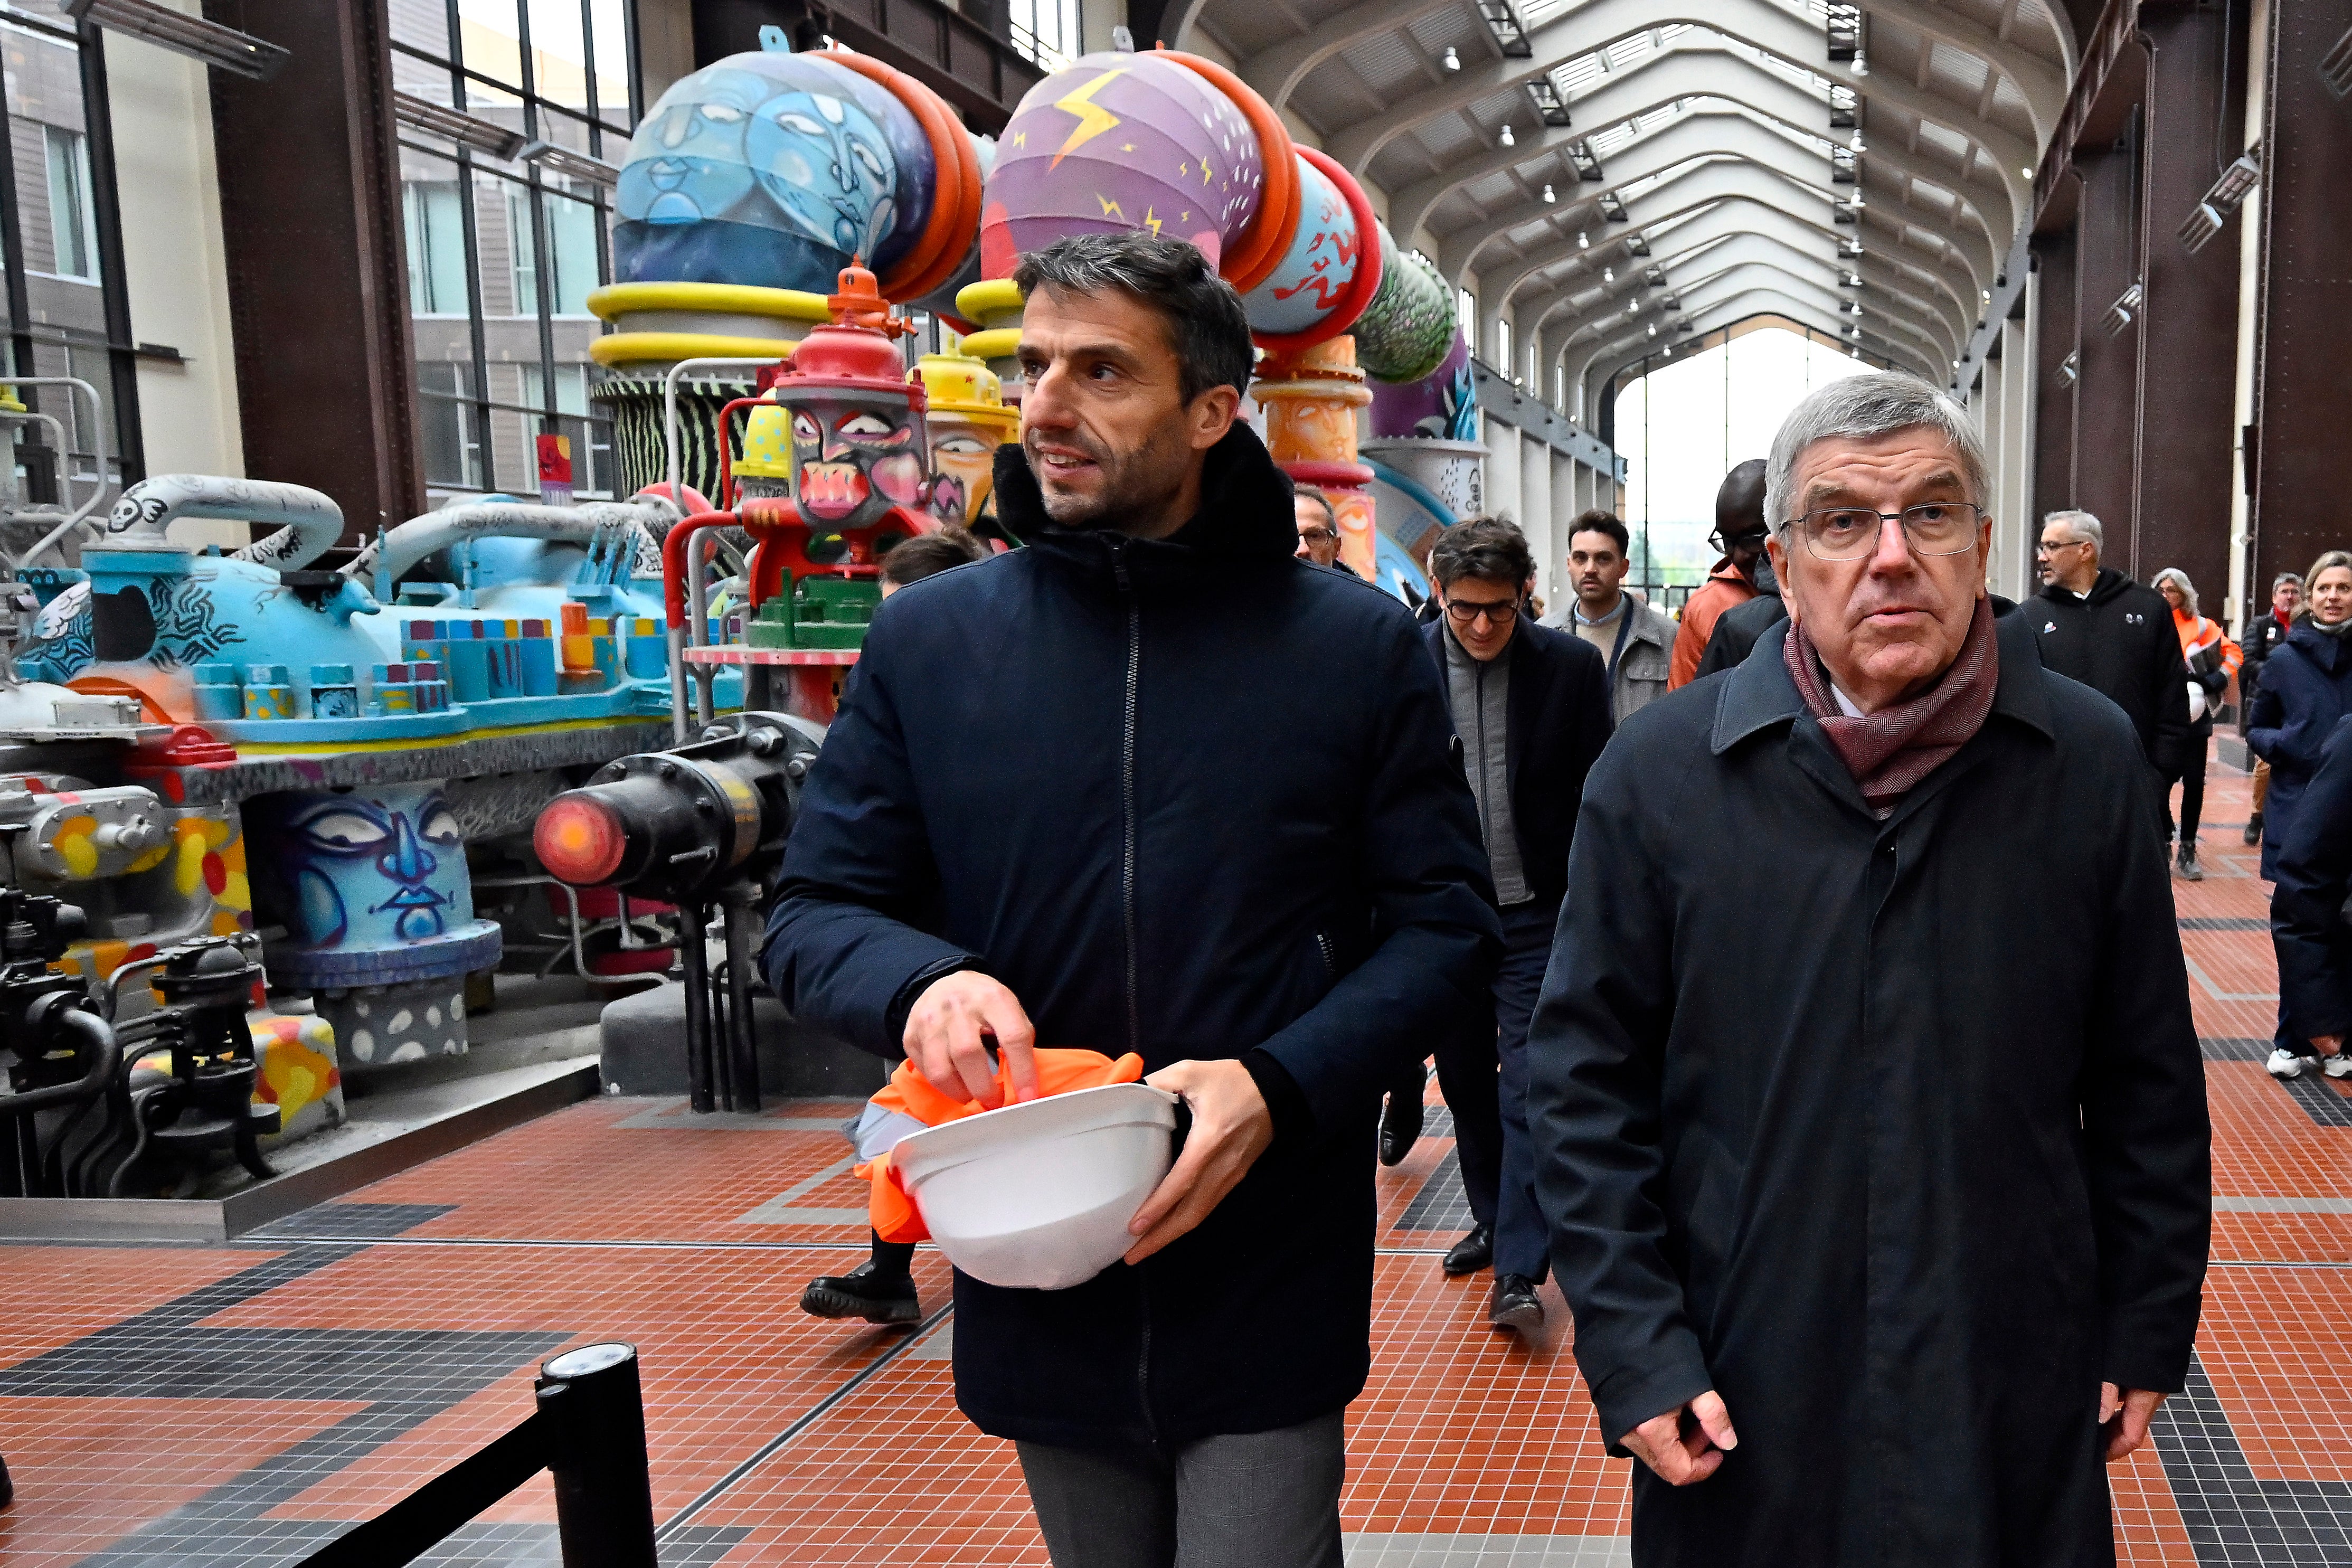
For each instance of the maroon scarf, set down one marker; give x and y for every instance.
(1892, 749)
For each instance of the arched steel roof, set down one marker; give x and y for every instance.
(1580, 168)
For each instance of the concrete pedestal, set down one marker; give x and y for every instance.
(643, 1051)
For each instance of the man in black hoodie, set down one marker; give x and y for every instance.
(2098, 626)
(1152, 784)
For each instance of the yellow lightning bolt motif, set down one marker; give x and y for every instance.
(1021, 138)
(1150, 220)
(1093, 119)
(1205, 171)
(1110, 209)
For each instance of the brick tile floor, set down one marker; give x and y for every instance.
(161, 1405)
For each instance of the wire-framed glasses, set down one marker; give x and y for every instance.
(1848, 533)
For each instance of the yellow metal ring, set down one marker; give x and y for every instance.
(990, 296)
(999, 343)
(719, 299)
(633, 348)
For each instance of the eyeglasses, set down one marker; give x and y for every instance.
(2050, 547)
(1463, 615)
(1315, 535)
(1849, 533)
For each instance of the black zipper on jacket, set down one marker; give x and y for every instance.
(1126, 903)
(1127, 789)
(1330, 968)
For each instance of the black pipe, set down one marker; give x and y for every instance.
(696, 962)
(738, 900)
(593, 1406)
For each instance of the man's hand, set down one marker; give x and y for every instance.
(1686, 1444)
(2125, 1415)
(1230, 1128)
(949, 1031)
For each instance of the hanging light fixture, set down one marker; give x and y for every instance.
(1609, 275)
(1582, 242)
(1508, 140)
(1451, 62)
(1548, 197)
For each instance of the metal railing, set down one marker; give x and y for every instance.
(589, 1431)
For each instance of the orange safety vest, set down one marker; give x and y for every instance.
(909, 1098)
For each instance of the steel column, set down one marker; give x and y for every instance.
(2055, 392)
(2189, 323)
(2301, 398)
(318, 283)
(2108, 263)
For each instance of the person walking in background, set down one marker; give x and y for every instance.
(2263, 638)
(2211, 659)
(1637, 641)
(2096, 625)
(2306, 687)
(2307, 927)
(1531, 706)
(1739, 533)
(1198, 802)
(1319, 528)
(882, 1289)
(1881, 1239)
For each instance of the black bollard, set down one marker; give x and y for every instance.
(593, 1411)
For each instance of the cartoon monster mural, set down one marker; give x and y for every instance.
(771, 168)
(372, 886)
(969, 420)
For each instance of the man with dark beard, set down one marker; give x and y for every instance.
(1154, 784)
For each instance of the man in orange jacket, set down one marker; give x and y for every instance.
(1739, 533)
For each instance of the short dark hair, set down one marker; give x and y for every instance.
(928, 554)
(1299, 492)
(1485, 547)
(1599, 522)
(1206, 324)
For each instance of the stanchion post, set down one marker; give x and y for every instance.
(592, 1406)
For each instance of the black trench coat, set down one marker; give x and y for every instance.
(1893, 1133)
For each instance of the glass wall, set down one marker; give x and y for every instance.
(502, 254)
(59, 326)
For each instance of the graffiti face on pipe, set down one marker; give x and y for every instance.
(373, 869)
(854, 457)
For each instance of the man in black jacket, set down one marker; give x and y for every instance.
(1531, 707)
(1151, 783)
(2096, 625)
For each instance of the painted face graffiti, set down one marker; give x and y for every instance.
(369, 871)
(854, 459)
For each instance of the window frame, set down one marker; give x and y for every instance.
(470, 87)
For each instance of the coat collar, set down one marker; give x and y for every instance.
(1757, 693)
(1245, 509)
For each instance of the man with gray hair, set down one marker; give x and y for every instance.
(2098, 626)
(1917, 1194)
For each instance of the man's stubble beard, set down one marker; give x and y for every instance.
(1134, 483)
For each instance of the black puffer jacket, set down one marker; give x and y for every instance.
(2118, 640)
(1194, 798)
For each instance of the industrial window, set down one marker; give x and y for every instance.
(1046, 31)
(503, 253)
(1503, 344)
(73, 227)
(60, 293)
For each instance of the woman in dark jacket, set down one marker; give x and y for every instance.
(2307, 924)
(2306, 687)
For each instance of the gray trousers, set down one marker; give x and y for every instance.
(1245, 1502)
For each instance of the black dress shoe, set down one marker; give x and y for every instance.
(1516, 1304)
(1472, 1252)
(887, 1299)
(2253, 829)
(1401, 1125)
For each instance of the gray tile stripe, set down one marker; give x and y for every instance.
(1369, 1551)
(2282, 1205)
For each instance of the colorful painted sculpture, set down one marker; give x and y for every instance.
(969, 420)
(370, 886)
(860, 472)
(1310, 401)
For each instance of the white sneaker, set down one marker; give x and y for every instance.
(2337, 1066)
(2285, 1063)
